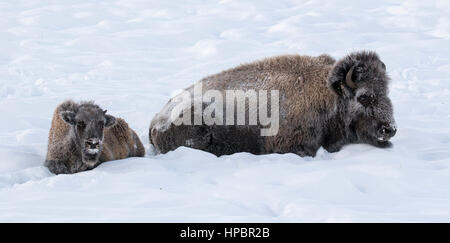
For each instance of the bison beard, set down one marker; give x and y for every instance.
(322, 103)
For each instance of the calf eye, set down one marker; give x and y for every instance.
(366, 100)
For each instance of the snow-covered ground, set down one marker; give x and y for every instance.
(130, 56)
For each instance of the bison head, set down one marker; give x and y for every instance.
(361, 83)
(87, 123)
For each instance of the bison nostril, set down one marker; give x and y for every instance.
(387, 131)
(92, 143)
(393, 131)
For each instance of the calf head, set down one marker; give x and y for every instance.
(87, 122)
(361, 83)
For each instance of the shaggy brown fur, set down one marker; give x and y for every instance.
(65, 153)
(312, 112)
(121, 142)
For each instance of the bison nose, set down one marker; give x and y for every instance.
(92, 143)
(387, 131)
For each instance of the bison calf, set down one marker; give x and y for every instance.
(322, 102)
(82, 136)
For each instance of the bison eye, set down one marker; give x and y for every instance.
(366, 100)
(101, 124)
(81, 125)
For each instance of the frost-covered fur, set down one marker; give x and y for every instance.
(82, 136)
(322, 103)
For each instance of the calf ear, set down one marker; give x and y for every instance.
(68, 117)
(110, 120)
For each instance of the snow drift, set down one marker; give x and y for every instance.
(131, 56)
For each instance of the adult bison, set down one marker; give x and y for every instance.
(321, 103)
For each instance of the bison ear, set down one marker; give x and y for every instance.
(68, 117)
(110, 120)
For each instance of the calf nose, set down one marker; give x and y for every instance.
(92, 143)
(388, 131)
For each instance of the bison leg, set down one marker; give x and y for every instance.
(57, 167)
(335, 147)
(139, 150)
(306, 150)
(382, 144)
(195, 136)
(219, 140)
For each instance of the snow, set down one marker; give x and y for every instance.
(131, 56)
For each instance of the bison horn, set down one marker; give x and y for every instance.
(383, 66)
(348, 79)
